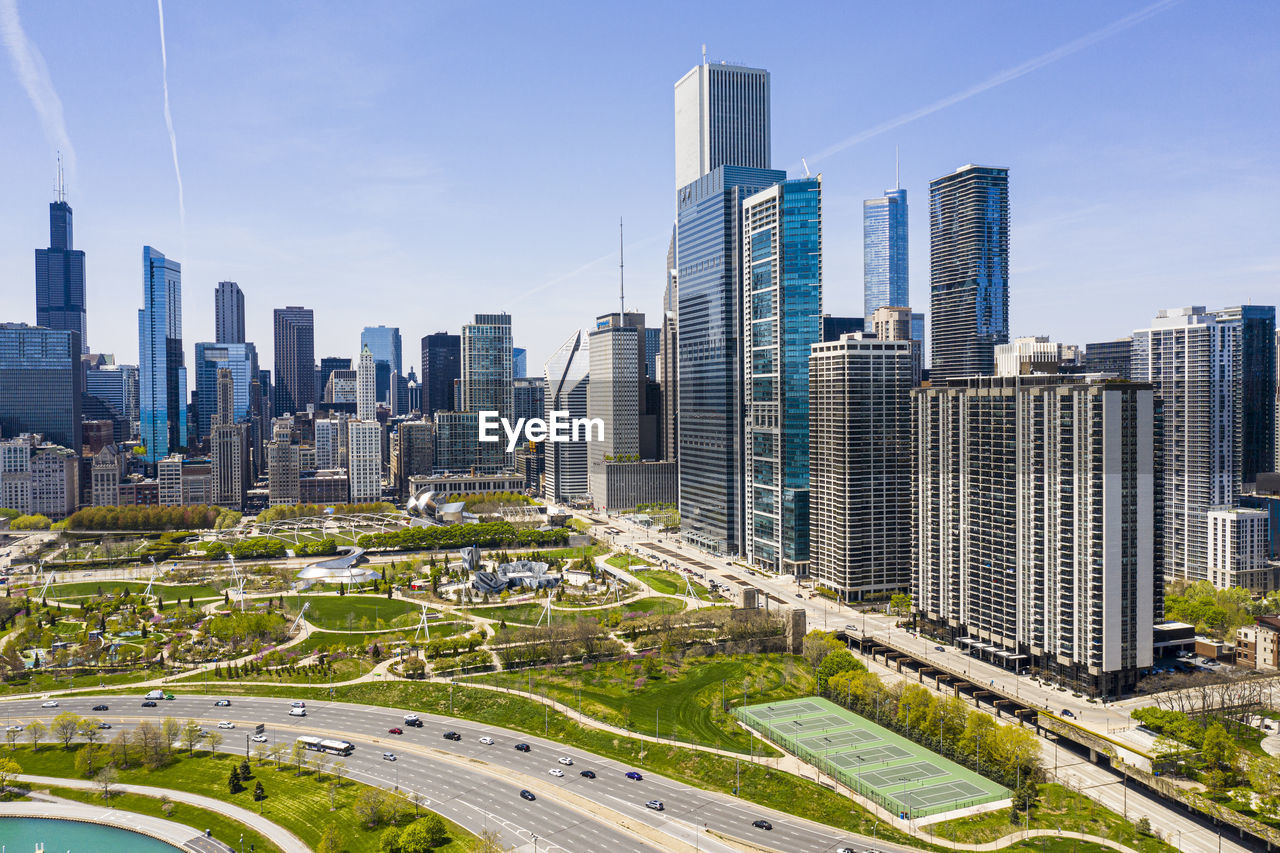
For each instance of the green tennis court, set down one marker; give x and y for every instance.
(902, 776)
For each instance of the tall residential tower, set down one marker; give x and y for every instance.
(162, 373)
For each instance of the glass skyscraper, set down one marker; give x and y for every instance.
(709, 340)
(162, 373)
(884, 252)
(295, 354)
(40, 383)
(228, 313)
(568, 373)
(519, 361)
(486, 379)
(60, 293)
(968, 270)
(441, 367)
(384, 343)
(782, 307)
(242, 362)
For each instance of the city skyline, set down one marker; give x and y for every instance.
(1139, 222)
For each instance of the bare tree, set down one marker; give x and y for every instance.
(65, 726)
(191, 736)
(106, 779)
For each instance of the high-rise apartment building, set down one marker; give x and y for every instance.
(228, 313)
(860, 465)
(441, 368)
(457, 444)
(721, 119)
(895, 323)
(1036, 354)
(364, 455)
(284, 465)
(60, 288)
(885, 280)
(241, 360)
(782, 308)
(366, 387)
(328, 365)
(709, 333)
(295, 380)
(568, 377)
(41, 383)
(486, 380)
(1239, 549)
(1252, 329)
(968, 270)
(228, 445)
(1034, 523)
(162, 372)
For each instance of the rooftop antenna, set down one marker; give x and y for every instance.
(897, 173)
(62, 188)
(622, 291)
(806, 167)
(704, 54)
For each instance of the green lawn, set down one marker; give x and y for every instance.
(355, 612)
(1059, 808)
(626, 561)
(224, 828)
(43, 681)
(340, 670)
(684, 700)
(169, 592)
(332, 640)
(300, 804)
(528, 613)
(670, 583)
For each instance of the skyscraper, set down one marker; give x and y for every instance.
(782, 308)
(721, 119)
(364, 466)
(295, 381)
(228, 445)
(40, 383)
(60, 290)
(860, 465)
(709, 336)
(885, 281)
(441, 367)
(568, 375)
(241, 361)
(228, 311)
(968, 270)
(162, 374)
(519, 362)
(530, 397)
(486, 379)
(366, 383)
(668, 357)
(384, 343)
(328, 365)
(613, 396)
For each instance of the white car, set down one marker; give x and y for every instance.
(410, 718)
(299, 704)
(50, 704)
(14, 729)
(486, 740)
(566, 761)
(226, 724)
(388, 756)
(556, 771)
(259, 738)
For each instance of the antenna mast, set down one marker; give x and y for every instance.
(62, 189)
(622, 290)
(897, 173)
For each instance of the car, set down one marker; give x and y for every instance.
(101, 708)
(14, 729)
(566, 761)
(447, 735)
(939, 648)
(50, 704)
(523, 747)
(410, 719)
(656, 805)
(634, 776)
(587, 774)
(222, 703)
(526, 794)
(259, 738)
(388, 756)
(299, 705)
(149, 704)
(486, 740)
(226, 724)
(1066, 712)
(395, 730)
(845, 850)
(104, 725)
(556, 771)
(761, 824)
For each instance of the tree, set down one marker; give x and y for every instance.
(88, 729)
(900, 604)
(298, 755)
(1218, 751)
(36, 730)
(330, 840)
(65, 726)
(258, 793)
(370, 806)
(106, 779)
(245, 773)
(817, 645)
(214, 739)
(8, 769)
(84, 763)
(172, 730)
(841, 660)
(422, 835)
(389, 841)
(233, 781)
(191, 736)
(11, 735)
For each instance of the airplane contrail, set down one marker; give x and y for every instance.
(29, 65)
(1006, 76)
(168, 121)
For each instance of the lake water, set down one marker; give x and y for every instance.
(20, 835)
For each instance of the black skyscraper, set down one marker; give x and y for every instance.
(441, 367)
(295, 378)
(60, 297)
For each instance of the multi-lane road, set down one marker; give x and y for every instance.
(478, 785)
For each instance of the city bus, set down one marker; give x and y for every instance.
(334, 747)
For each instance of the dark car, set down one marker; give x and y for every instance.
(447, 735)
(101, 708)
(527, 795)
(761, 824)
(417, 724)
(148, 704)
(588, 774)
(396, 730)
(634, 776)
(222, 703)
(1066, 712)
(523, 747)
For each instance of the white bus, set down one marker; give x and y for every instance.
(334, 747)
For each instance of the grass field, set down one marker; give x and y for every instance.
(169, 592)
(342, 670)
(355, 612)
(224, 828)
(670, 583)
(626, 561)
(43, 681)
(328, 640)
(684, 701)
(527, 614)
(300, 804)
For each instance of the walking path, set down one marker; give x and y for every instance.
(176, 832)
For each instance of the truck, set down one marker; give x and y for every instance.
(158, 694)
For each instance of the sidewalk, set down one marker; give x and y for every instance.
(280, 836)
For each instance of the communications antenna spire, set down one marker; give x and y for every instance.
(622, 290)
(897, 173)
(62, 188)
(704, 54)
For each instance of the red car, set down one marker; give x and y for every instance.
(395, 731)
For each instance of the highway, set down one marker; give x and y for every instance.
(478, 785)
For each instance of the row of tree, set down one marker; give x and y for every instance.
(489, 534)
(279, 513)
(196, 517)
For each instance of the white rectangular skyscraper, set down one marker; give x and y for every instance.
(722, 119)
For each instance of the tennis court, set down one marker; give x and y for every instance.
(902, 776)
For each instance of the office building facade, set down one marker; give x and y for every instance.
(568, 373)
(613, 398)
(486, 384)
(1109, 357)
(162, 372)
(41, 383)
(441, 368)
(968, 270)
(721, 119)
(384, 343)
(366, 387)
(295, 360)
(228, 313)
(241, 361)
(885, 280)
(60, 289)
(364, 460)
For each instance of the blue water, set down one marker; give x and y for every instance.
(20, 834)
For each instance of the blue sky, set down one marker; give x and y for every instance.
(412, 164)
